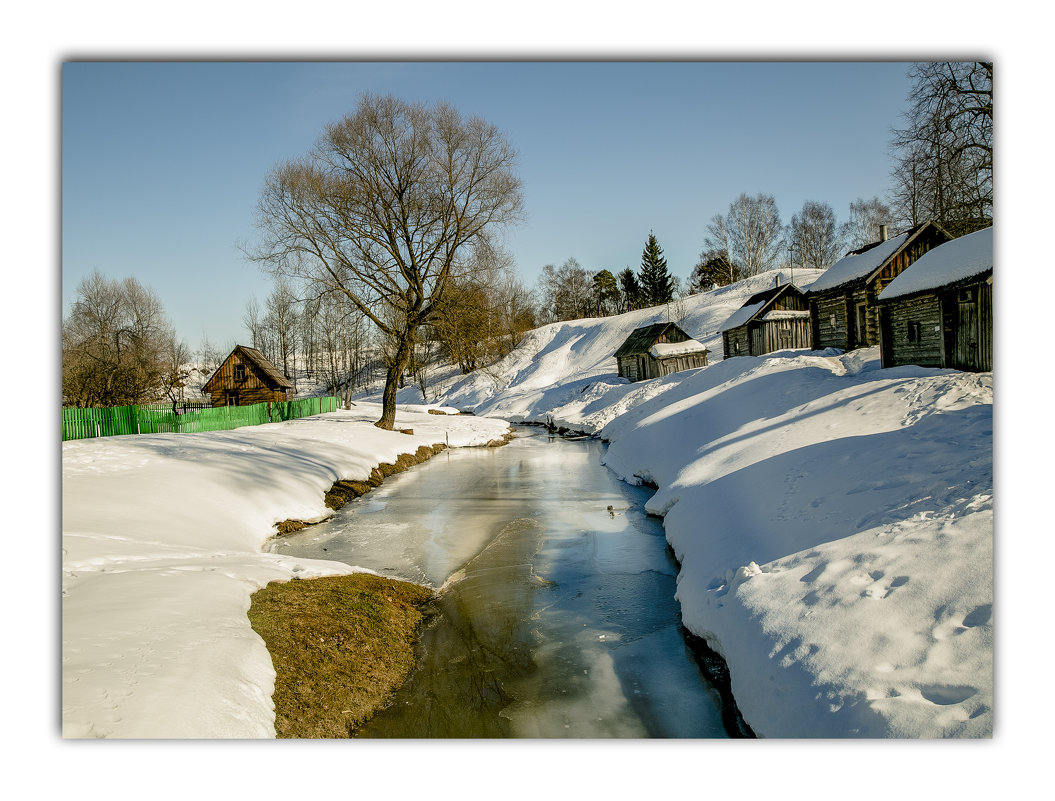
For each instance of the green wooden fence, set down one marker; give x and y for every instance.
(117, 420)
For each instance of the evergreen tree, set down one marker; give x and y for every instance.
(657, 284)
(712, 270)
(605, 293)
(631, 290)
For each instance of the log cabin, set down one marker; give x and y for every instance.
(657, 350)
(247, 377)
(775, 319)
(939, 312)
(842, 301)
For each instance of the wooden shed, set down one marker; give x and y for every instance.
(658, 350)
(247, 377)
(776, 319)
(939, 312)
(842, 301)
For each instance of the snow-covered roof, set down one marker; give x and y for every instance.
(786, 314)
(859, 265)
(664, 350)
(963, 258)
(741, 316)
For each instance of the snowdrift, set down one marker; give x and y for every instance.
(833, 520)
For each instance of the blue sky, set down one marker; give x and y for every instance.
(162, 163)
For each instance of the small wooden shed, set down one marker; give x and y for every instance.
(658, 350)
(775, 319)
(842, 301)
(247, 377)
(939, 312)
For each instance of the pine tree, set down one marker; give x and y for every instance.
(657, 284)
(631, 290)
(605, 293)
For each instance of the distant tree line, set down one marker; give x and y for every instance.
(571, 292)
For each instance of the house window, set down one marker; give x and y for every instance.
(239, 372)
(914, 332)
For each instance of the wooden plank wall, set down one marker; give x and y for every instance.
(772, 335)
(826, 334)
(735, 342)
(925, 313)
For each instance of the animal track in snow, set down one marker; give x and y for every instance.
(880, 591)
(978, 616)
(947, 694)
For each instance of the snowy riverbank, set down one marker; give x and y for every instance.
(161, 550)
(834, 520)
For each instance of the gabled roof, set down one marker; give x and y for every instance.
(968, 257)
(756, 306)
(859, 266)
(264, 368)
(642, 339)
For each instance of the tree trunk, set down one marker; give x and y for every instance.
(392, 380)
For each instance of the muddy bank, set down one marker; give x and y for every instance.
(342, 645)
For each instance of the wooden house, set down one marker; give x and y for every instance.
(246, 377)
(939, 312)
(775, 319)
(842, 301)
(658, 350)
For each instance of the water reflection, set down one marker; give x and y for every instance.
(557, 617)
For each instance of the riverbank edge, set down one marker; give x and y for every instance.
(295, 719)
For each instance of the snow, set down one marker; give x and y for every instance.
(162, 541)
(663, 350)
(833, 520)
(741, 316)
(956, 260)
(786, 314)
(851, 268)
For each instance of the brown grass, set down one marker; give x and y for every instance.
(340, 645)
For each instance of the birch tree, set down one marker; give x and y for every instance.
(815, 236)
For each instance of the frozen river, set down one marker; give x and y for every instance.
(557, 617)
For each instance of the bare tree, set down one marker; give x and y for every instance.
(814, 235)
(944, 154)
(566, 292)
(343, 341)
(254, 323)
(755, 233)
(750, 236)
(385, 210)
(176, 370)
(116, 345)
(865, 218)
(517, 313)
(282, 322)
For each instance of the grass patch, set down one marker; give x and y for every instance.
(340, 645)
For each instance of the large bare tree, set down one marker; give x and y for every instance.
(385, 210)
(944, 154)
